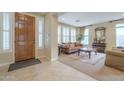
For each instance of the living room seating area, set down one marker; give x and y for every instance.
(70, 47)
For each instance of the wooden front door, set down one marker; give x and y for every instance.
(24, 37)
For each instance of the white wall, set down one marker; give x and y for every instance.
(51, 45)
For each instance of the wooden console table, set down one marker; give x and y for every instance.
(100, 47)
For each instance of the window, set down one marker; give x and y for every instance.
(85, 40)
(59, 34)
(65, 34)
(120, 35)
(39, 32)
(5, 32)
(73, 35)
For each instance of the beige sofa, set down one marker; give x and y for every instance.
(115, 59)
(71, 47)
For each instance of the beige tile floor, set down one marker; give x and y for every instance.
(45, 71)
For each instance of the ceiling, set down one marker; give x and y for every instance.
(80, 19)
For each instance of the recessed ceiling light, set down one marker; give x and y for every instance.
(77, 21)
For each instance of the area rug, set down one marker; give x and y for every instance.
(84, 58)
(23, 64)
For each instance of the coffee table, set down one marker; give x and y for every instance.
(87, 50)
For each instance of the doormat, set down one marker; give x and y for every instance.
(22, 64)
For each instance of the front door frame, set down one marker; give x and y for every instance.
(13, 35)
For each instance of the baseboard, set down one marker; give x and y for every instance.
(6, 63)
(41, 57)
(53, 59)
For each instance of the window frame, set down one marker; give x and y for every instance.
(38, 33)
(59, 34)
(67, 35)
(85, 36)
(71, 35)
(10, 15)
(118, 26)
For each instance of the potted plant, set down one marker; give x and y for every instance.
(80, 38)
